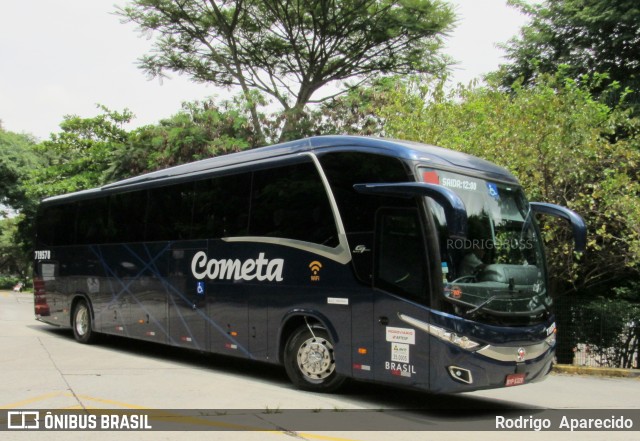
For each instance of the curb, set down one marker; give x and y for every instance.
(599, 372)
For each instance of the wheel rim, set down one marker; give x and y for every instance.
(82, 320)
(315, 359)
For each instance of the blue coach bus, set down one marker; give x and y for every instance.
(336, 256)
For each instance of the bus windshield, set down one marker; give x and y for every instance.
(497, 270)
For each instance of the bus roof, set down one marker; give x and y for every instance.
(428, 154)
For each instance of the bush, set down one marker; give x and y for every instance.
(8, 282)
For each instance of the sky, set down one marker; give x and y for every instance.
(65, 57)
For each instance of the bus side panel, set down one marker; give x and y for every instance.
(401, 348)
(145, 288)
(126, 290)
(319, 289)
(70, 272)
(362, 325)
(187, 301)
(252, 288)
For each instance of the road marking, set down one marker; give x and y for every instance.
(23, 403)
(111, 402)
(323, 437)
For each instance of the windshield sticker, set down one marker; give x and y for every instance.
(493, 191)
(430, 177)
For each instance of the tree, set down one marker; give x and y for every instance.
(289, 49)
(81, 155)
(17, 160)
(200, 130)
(581, 38)
(14, 261)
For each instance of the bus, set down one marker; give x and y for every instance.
(336, 256)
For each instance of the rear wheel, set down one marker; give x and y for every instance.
(309, 360)
(82, 323)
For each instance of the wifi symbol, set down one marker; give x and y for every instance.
(315, 267)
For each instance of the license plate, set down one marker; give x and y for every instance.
(514, 379)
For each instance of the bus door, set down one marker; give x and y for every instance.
(187, 299)
(401, 351)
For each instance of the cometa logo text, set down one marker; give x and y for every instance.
(260, 269)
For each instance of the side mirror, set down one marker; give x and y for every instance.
(454, 209)
(577, 223)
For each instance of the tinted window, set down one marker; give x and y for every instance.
(169, 214)
(358, 211)
(344, 169)
(127, 214)
(287, 202)
(400, 254)
(56, 225)
(92, 224)
(291, 202)
(221, 206)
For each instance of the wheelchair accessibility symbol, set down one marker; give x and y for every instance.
(200, 288)
(493, 190)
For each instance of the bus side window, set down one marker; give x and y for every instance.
(221, 206)
(291, 202)
(169, 212)
(57, 225)
(92, 221)
(400, 265)
(125, 218)
(358, 211)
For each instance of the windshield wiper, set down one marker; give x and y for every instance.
(509, 295)
(481, 305)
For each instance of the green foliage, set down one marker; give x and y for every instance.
(14, 261)
(8, 282)
(610, 328)
(562, 146)
(17, 160)
(80, 156)
(581, 38)
(290, 49)
(356, 112)
(201, 130)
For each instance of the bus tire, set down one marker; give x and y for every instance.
(309, 360)
(81, 323)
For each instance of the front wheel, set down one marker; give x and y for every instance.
(82, 323)
(309, 360)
